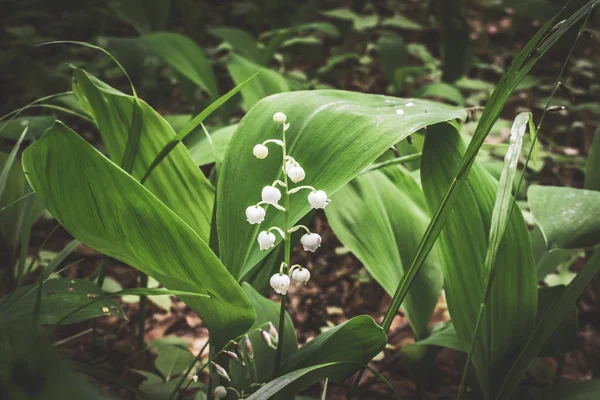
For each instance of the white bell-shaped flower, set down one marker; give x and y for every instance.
(260, 151)
(317, 199)
(255, 214)
(279, 117)
(311, 241)
(271, 195)
(300, 276)
(296, 173)
(220, 392)
(266, 240)
(280, 283)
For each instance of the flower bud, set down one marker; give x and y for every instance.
(249, 347)
(266, 240)
(271, 195)
(300, 276)
(296, 173)
(220, 392)
(317, 199)
(311, 241)
(267, 339)
(255, 214)
(231, 355)
(220, 370)
(280, 118)
(273, 334)
(280, 283)
(260, 151)
(195, 378)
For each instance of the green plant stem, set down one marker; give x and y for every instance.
(143, 307)
(100, 281)
(187, 372)
(286, 259)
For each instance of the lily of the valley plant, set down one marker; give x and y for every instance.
(271, 195)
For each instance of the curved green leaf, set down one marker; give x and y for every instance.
(295, 381)
(268, 82)
(177, 182)
(333, 135)
(184, 56)
(243, 43)
(569, 218)
(355, 341)
(380, 217)
(463, 246)
(108, 210)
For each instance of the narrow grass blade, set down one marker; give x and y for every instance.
(500, 221)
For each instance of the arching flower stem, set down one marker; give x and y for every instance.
(297, 189)
(297, 227)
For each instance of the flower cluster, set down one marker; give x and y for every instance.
(272, 195)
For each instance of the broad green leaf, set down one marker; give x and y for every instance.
(59, 298)
(243, 43)
(173, 360)
(592, 165)
(177, 181)
(394, 57)
(443, 337)
(355, 341)
(108, 210)
(380, 216)
(463, 246)
(295, 381)
(547, 325)
(202, 152)
(13, 128)
(333, 135)
(402, 22)
(334, 354)
(268, 82)
(145, 15)
(183, 55)
(568, 217)
(441, 90)
(261, 369)
(359, 22)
